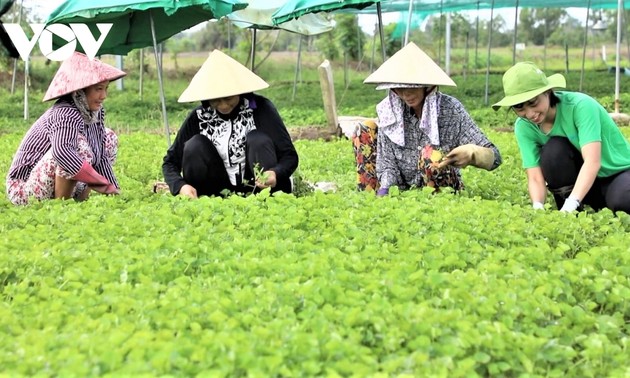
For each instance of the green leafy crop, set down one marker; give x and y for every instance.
(334, 284)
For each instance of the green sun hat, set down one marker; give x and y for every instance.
(525, 81)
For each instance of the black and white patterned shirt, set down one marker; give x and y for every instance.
(228, 136)
(265, 119)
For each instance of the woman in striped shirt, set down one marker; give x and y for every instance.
(68, 151)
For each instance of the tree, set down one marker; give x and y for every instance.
(501, 36)
(327, 45)
(609, 17)
(460, 26)
(460, 29)
(177, 44)
(569, 33)
(537, 24)
(349, 35)
(217, 35)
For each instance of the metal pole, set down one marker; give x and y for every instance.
(439, 57)
(158, 61)
(408, 22)
(297, 67)
(380, 28)
(515, 33)
(345, 69)
(588, 10)
(466, 56)
(359, 38)
(373, 49)
(229, 28)
(447, 56)
(485, 99)
(141, 81)
(26, 73)
(618, 53)
(545, 44)
(477, 39)
(15, 60)
(253, 51)
(119, 64)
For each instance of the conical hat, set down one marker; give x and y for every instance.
(78, 72)
(221, 76)
(410, 65)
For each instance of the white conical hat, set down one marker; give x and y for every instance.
(221, 76)
(410, 65)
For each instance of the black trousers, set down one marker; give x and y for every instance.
(560, 162)
(203, 167)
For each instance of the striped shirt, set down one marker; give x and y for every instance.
(57, 131)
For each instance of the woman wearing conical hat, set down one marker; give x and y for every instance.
(68, 151)
(569, 144)
(424, 136)
(235, 140)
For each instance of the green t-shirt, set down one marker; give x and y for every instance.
(582, 120)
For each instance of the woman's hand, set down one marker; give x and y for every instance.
(469, 154)
(270, 181)
(570, 204)
(188, 191)
(108, 189)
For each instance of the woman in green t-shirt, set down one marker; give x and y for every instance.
(568, 143)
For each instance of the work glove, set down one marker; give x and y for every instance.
(95, 180)
(538, 205)
(469, 154)
(88, 175)
(570, 204)
(105, 189)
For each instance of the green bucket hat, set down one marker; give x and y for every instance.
(525, 81)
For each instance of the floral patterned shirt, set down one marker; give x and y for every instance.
(398, 165)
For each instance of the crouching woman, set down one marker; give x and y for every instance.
(234, 141)
(68, 151)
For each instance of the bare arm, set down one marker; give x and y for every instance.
(536, 185)
(591, 153)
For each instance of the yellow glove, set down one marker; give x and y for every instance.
(469, 154)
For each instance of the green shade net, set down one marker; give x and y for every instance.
(258, 15)
(401, 25)
(437, 6)
(297, 8)
(131, 19)
(421, 9)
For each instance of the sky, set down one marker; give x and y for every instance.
(367, 22)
